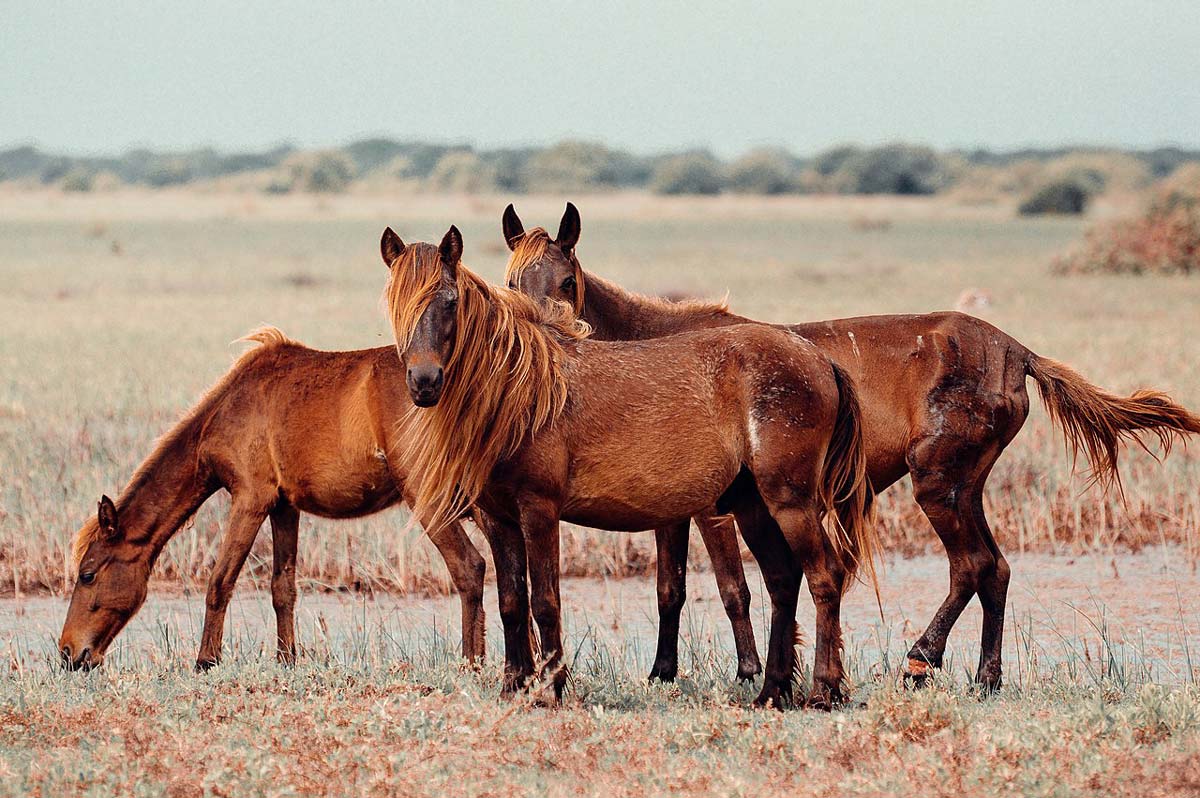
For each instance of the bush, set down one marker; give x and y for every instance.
(462, 171)
(827, 163)
(765, 171)
(169, 172)
(576, 166)
(695, 173)
(1164, 240)
(78, 179)
(1065, 196)
(894, 169)
(320, 171)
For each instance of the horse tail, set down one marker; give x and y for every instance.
(846, 489)
(1095, 421)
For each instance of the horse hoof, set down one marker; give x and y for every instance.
(917, 673)
(205, 665)
(775, 697)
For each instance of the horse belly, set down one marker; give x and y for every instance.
(646, 486)
(344, 490)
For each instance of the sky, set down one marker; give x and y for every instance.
(91, 78)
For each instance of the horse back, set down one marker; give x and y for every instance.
(309, 426)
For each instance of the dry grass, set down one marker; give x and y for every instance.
(102, 347)
(365, 720)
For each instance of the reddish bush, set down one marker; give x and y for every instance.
(1165, 240)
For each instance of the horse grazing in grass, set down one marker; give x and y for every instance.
(287, 430)
(942, 395)
(530, 422)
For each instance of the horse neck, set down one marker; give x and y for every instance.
(619, 315)
(166, 490)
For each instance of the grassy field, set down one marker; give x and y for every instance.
(118, 309)
(383, 714)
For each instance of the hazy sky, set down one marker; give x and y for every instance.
(101, 77)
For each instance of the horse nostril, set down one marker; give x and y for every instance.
(66, 654)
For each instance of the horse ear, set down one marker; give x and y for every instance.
(391, 247)
(451, 251)
(568, 228)
(106, 516)
(513, 229)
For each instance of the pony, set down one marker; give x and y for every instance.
(524, 418)
(287, 430)
(942, 395)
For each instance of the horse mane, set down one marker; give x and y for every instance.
(504, 380)
(264, 338)
(532, 246)
(660, 306)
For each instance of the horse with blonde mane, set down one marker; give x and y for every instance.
(943, 394)
(524, 418)
(287, 430)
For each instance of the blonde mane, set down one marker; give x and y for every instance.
(263, 339)
(503, 380)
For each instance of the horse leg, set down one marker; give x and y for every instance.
(467, 570)
(947, 481)
(801, 527)
(512, 588)
(539, 522)
(778, 566)
(244, 521)
(993, 596)
(720, 538)
(285, 530)
(672, 545)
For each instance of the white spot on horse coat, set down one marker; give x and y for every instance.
(854, 343)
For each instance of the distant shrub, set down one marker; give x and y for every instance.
(1065, 196)
(168, 172)
(694, 173)
(78, 179)
(1101, 171)
(1165, 239)
(400, 168)
(509, 167)
(319, 171)
(575, 166)
(462, 171)
(764, 171)
(830, 161)
(55, 169)
(371, 154)
(893, 169)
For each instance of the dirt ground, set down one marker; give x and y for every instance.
(1142, 609)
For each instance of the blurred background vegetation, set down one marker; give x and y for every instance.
(1055, 181)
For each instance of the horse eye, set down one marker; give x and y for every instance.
(568, 284)
(87, 577)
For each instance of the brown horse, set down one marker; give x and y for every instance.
(531, 423)
(287, 430)
(943, 394)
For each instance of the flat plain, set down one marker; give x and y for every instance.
(118, 309)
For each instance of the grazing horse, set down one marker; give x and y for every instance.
(525, 419)
(287, 430)
(942, 395)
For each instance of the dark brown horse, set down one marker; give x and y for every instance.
(287, 430)
(531, 423)
(943, 394)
